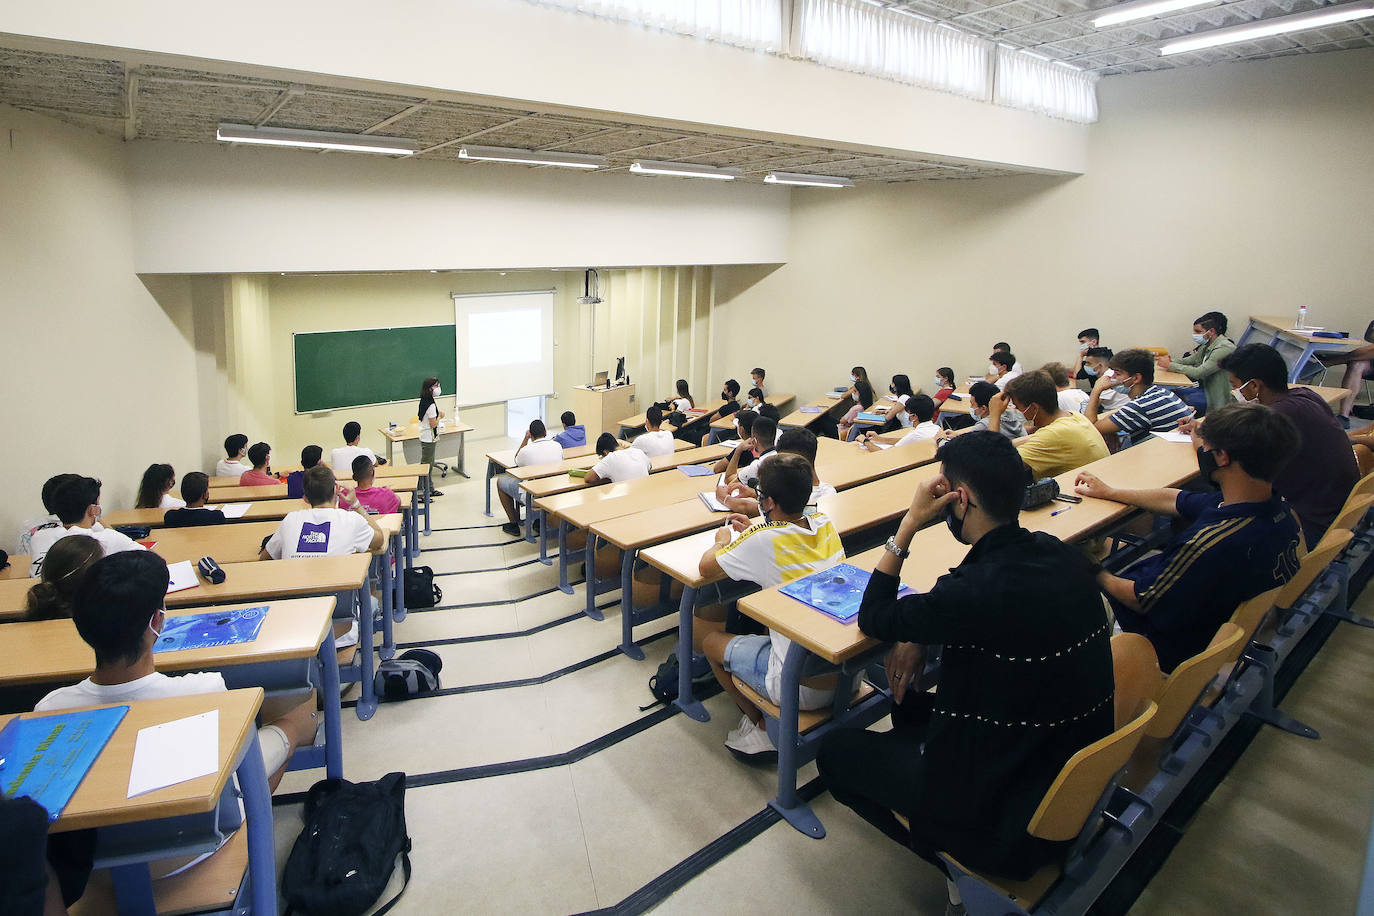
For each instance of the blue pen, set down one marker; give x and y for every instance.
(1057, 511)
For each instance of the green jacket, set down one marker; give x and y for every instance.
(1201, 366)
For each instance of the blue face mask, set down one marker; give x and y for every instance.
(1200, 339)
(1090, 370)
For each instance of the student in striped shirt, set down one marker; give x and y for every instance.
(1242, 538)
(1151, 408)
(787, 544)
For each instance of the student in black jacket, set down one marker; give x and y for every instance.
(195, 486)
(1025, 678)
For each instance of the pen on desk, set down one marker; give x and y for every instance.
(1060, 511)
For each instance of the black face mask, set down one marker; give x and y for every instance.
(892, 389)
(955, 523)
(1207, 466)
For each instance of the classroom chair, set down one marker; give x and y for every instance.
(1074, 808)
(1135, 671)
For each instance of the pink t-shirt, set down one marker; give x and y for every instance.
(379, 500)
(257, 479)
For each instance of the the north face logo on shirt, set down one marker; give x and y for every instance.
(314, 538)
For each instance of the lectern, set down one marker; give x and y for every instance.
(602, 409)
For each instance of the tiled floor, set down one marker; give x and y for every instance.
(1285, 833)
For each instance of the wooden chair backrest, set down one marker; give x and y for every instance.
(1363, 486)
(1135, 667)
(1355, 509)
(1074, 793)
(1312, 566)
(1251, 613)
(1180, 690)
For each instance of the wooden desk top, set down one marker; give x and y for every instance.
(255, 581)
(934, 551)
(951, 407)
(234, 543)
(584, 506)
(383, 471)
(779, 401)
(411, 430)
(705, 407)
(854, 465)
(43, 651)
(798, 418)
(565, 483)
(506, 457)
(1167, 378)
(257, 512)
(533, 471)
(100, 799)
(237, 494)
(1285, 327)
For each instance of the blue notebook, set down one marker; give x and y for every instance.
(51, 755)
(201, 631)
(872, 418)
(810, 410)
(836, 592)
(695, 470)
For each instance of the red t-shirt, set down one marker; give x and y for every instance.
(257, 479)
(379, 500)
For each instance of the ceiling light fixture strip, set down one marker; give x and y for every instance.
(1267, 28)
(530, 157)
(314, 139)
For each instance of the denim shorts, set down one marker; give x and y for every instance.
(746, 657)
(509, 486)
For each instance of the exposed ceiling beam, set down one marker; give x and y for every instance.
(404, 113)
(270, 112)
(592, 135)
(475, 134)
(130, 102)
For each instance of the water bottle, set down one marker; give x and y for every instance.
(1302, 317)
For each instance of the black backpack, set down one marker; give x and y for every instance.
(414, 672)
(663, 684)
(346, 852)
(420, 590)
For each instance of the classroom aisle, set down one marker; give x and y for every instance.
(584, 828)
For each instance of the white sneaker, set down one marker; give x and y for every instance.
(348, 639)
(750, 740)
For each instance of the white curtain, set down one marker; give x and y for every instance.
(1029, 82)
(859, 36)
(745, 23)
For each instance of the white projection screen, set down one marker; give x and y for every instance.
(505, 345)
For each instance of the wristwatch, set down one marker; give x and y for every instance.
(900, 553)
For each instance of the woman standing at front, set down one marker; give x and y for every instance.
(429, 416)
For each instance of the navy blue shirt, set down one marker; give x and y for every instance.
(1228, 555)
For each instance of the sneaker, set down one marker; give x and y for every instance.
(512, 530)
(750, 741)
(348, 639)
(436, 492)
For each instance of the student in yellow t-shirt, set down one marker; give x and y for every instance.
(787, 544)
(1060, 440)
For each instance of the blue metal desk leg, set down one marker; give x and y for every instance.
(1245, 336)
(429, 498)
(544, 538)
(410, 545)
(685, 701)
(398, 582)
(563, 560)
(257, 806)
(133, 887)
(388, 605)
(795, 811)
(367, 703)
(333, 724)
(491, 473)
(463, 455)
(414, 519)
(590, 579)
(529, 516)
(1301, 362)
(627, 606)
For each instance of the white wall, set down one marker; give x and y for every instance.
(516, 50)
(203, 208)
(97, 378)
(1244, 187)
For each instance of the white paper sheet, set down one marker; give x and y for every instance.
(232, 510)
(183, 576)
(174, 752)
(1175, 437)
(712, 503)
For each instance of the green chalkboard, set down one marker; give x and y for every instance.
(374, 366)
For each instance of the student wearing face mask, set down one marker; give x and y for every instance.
(1203, 363)
(1151, 407)
(76, 503)
(1009, 422)
(756, 377)
(429, 415)
(1060, 440)
(862, 394)
(1241, 540)
(1003, 368)
(1013, 367)
(744, 429)
(1322, 472)
(695, 429)
(1088, 339)
(1095, 366)
(968, 763)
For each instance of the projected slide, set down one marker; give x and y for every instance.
(505, 338)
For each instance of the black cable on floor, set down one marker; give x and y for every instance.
(459, 607)
(467, 572)
(473, 546)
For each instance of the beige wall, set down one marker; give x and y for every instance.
(1244, 187)
(97, 378)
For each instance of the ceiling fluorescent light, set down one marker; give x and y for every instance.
(807, 181)
(530, 157)
(1330, 15)
(314, 139)
(683, 170)
(1143, 9)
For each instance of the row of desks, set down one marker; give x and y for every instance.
(778, 400)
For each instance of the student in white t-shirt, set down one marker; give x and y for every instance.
(1006, 368)
(739, 498)
(336, 524)
(617, 464)
(341, 458)
(77, 505)
(786, 545)
(235, 448)
(762, 436)
(118, 611)
(654, 441)
(50, 521)
(538, 447)
(1072, 399)
(155, 489)
(921, 409)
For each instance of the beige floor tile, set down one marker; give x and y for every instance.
(487, 662)
(468, 621)
(552, 606)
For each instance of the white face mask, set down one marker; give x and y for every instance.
(436, 392)
(940, 383)
(853, 378)
(1083, 348)
(157, 634)
(992, 368)
(1239, 393)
